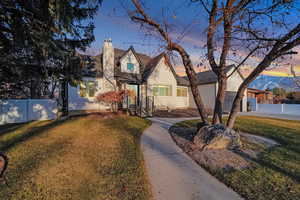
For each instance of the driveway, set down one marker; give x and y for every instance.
(174, 175)
(279, 116)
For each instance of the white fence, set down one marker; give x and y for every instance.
(17, 111)
(292, 109)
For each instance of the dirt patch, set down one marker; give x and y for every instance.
(220, 159)
(176, 113)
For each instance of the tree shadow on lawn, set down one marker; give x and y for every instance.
(4, 129)
(27, 159)
(32, 132)
(263, 161)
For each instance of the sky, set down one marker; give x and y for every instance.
(185, 18)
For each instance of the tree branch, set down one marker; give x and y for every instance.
(243, 61)
(210, 37)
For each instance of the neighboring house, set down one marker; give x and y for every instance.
(261, 96)
(153, 80)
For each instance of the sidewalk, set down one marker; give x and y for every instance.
(173, 175)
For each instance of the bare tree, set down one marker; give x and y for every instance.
(253, 27)
(142, 17)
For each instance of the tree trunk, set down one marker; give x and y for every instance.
(194, 88)
(35, 90)
(64, 98)
(219, 103)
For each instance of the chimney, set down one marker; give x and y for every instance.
(108, 59)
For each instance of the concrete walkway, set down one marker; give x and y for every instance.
(173, 175)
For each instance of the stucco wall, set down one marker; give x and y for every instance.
(162, 75)
(76, 102)
(208, 95)
(233, 84)
(234, 81)
(129, 57)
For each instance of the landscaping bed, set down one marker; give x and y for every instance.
(90, 157)
(266, 167)
(176, 113)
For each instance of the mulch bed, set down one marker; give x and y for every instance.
(176, 113)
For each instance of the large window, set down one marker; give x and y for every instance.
(87, 88)
(182, 92)
(162, 90)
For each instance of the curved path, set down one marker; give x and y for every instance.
(173, 175)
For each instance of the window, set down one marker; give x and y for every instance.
(162, 90)
(181, 92)
(83, 89)
(130, 66)
(87, 88)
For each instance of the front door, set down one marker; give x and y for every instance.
(133, 99)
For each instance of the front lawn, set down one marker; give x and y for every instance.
(276, 172)
(80, 158)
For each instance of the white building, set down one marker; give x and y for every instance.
(153, 81)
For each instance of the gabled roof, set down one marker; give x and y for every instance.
(142, 58)
(154, 62)
(130, 77)
(151, 66)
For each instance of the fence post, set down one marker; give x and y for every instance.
(256, 105)
(282, 108)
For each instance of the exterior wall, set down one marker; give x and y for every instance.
(162, 75)
(233, 84)
(130, 57)
(76, 102)
(234, 81)
(208, 95)
(182, 102)
(24, 110)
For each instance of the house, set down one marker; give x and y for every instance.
(256, 96)
(152, 79)
(261, 96)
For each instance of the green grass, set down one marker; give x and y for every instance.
(80, 158)
(276, 172)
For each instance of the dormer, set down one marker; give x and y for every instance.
(130, 63)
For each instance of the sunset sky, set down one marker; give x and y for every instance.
(113, 22)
